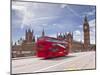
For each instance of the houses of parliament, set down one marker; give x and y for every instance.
(26, 47)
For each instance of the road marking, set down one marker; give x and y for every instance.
(50, 66)
(59, 64)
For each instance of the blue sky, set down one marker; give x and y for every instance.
(54, 18)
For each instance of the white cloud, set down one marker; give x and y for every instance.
(70, 9)
(25, 4)
(18, 7)
(80, 26)
(63, 5)
(52, 35)
(78, 35)
(92, 31)
(77, 32)
(89, 13)
(74, 12)
(92, 23)
(33, 17)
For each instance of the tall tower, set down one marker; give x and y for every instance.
(29, 35)
(86, 31)
(70, 40)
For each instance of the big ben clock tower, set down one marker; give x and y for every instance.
(86, 31)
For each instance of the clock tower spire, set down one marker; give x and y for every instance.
(86, 31)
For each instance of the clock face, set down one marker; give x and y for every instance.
(85, 27)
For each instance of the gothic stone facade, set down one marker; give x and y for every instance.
(76, 46)
(27, 46)
(24, 47)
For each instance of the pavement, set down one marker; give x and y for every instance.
(74, 61)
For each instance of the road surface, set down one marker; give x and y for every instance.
(74, 61)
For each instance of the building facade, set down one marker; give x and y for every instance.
(26, 47)
(76, 46)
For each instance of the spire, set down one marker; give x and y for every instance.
(43, 34)
(60, 35)
(15, 44)
(18, 41)
(72, 34)
(26, 34)
(85, 19)
(68, 34)
(29, 30)
(57, 35)
(21, 39)
(64, 35)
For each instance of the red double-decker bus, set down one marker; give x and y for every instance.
(49, 47)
